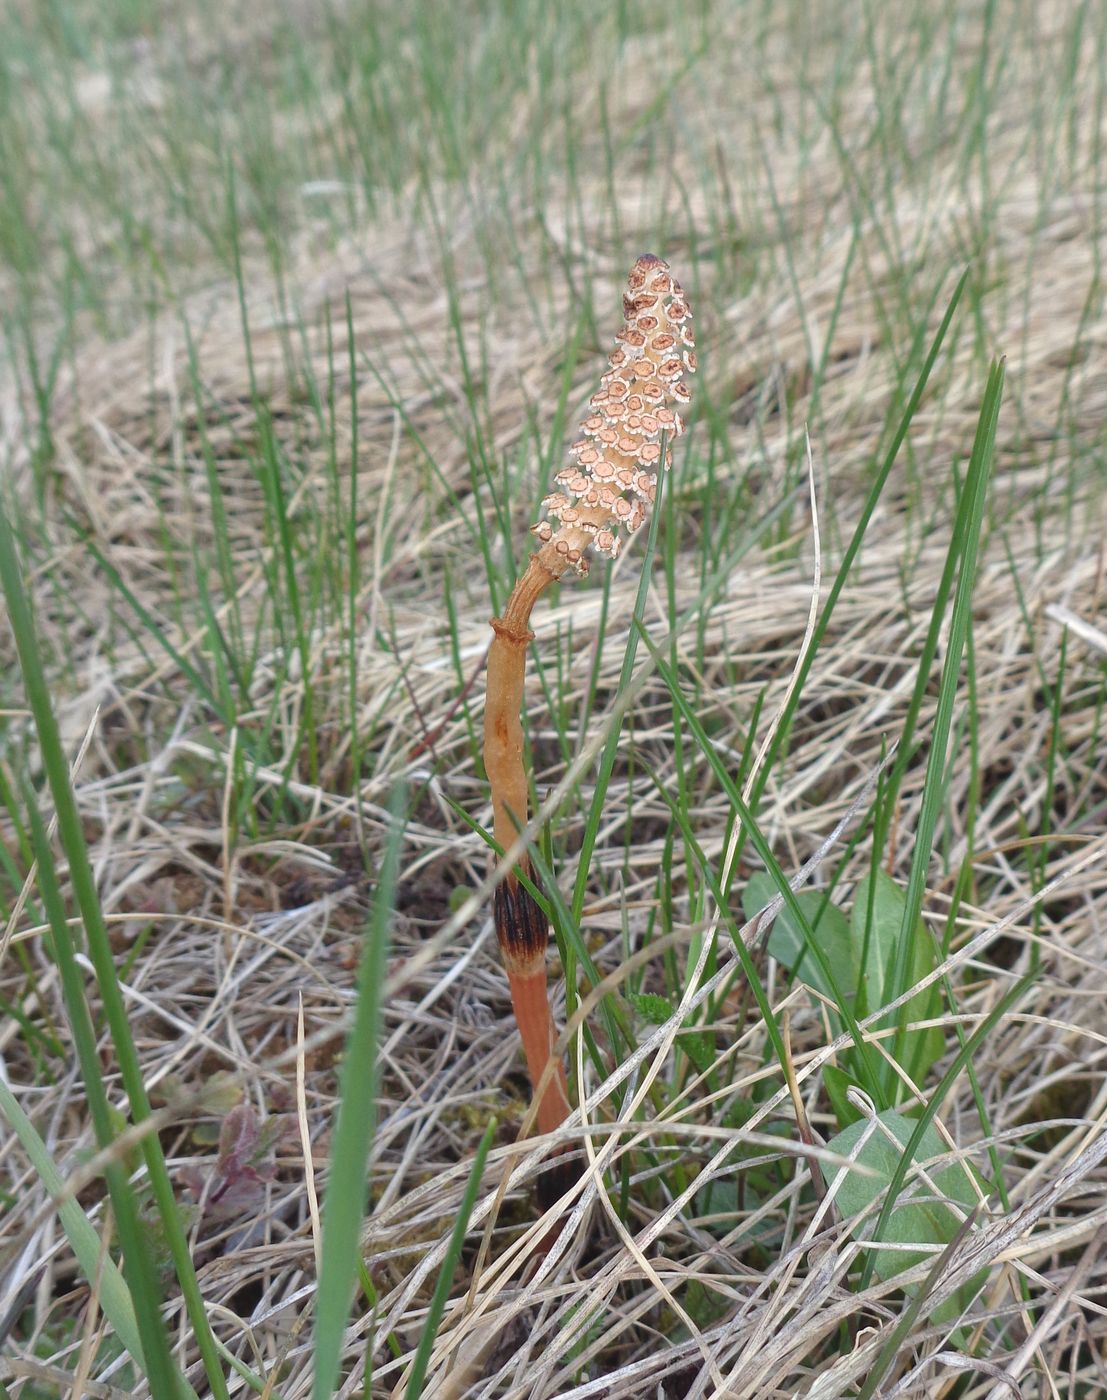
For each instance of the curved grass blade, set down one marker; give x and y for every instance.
(115, 1297)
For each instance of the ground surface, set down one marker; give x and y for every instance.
(300, 314)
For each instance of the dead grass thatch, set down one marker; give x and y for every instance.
(232, 934)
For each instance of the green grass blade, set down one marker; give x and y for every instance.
(856, 539)
(761, 846)
(745, 958)
(449, 1264)
(115, 1296)
(86, 896)
(353, 568)
(136, 1251)
(899, 1333)
(196, 681)
(971, 516)
(278, 503)
(344, 1207)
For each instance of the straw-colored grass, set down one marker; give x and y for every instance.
(204, 381)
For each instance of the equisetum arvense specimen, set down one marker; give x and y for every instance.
(607, 489)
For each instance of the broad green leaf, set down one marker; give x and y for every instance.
(920, 1216)
(875, 923)
(838, 1083)
(787, 943)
